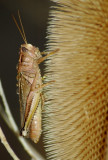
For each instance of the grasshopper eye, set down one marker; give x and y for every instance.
(24, 49)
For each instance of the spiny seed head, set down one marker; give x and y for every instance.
(76, 111)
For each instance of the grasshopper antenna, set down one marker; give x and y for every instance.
(21, 32)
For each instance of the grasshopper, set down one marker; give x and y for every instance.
(30, 86)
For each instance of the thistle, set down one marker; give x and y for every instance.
(76, 111)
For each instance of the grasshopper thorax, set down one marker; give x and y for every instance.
(30, 51)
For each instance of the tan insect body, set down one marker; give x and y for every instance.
(30, 87)
(30, 83)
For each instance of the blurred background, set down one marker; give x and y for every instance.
(34, 15)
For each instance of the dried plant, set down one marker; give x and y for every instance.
(76, 112)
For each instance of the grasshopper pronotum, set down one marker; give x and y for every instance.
(30, 87)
